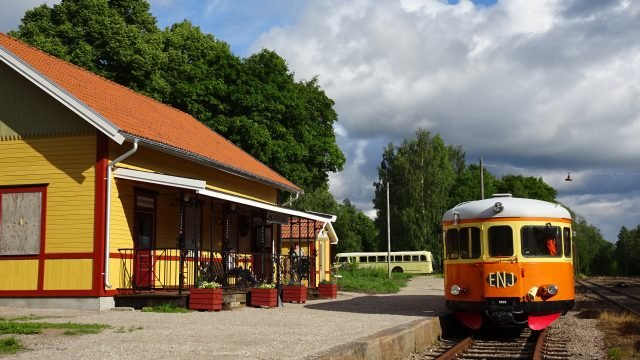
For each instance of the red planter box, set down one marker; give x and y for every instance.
(205, 299)
(293, 293)
(328, 291)
(264, 297)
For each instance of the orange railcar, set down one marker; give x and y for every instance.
(508, 260)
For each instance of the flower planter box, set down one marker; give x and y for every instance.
(294, 293)
(328, 291)
(264, 297)
(205, 299)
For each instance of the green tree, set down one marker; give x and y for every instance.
(254, 102)
(526, 187)
(117, 39)
(467, 185)
(627, 251)
(592, 250)
(421, 174)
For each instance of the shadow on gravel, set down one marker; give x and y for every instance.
(409, 305)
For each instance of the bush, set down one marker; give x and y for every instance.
(370, 280)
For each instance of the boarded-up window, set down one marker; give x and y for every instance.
(20, 223)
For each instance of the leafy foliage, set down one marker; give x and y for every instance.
(372, 280)
(421, 174)
(254, 102)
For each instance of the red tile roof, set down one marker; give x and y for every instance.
(143, 117)
(307, 229)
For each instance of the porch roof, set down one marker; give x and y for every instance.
(199, 186)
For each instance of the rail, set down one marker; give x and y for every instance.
(176, 269)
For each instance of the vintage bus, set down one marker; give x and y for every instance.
(415, 262)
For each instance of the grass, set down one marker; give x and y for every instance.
(10, 345)
(122, 329)
(165, 308)
(372, 281)
(23, 326)
(623, 335)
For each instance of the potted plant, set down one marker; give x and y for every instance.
(327, 289)
(207, 296)
(294, 291)
(264, 295)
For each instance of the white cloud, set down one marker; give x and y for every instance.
(544, 85)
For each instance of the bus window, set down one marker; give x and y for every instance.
(423, 257)
(500, 241)
(372, 259)
(398, 258)
(407, 257)
(363, 259)
(567, 242)
(470, 243)
(414, 258)
(541, 241)
(453, 244)
(382, 259)
(343, 259)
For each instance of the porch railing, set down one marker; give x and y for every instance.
(176, 269)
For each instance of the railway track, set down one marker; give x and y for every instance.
(504, 344)
(622, 299)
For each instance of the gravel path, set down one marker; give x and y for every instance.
(293, 331)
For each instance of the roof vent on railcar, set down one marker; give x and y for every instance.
(501, 195)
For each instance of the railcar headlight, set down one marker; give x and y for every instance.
(552, 289)
(455, 290)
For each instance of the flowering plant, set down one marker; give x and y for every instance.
(209, 285)
(265, 286)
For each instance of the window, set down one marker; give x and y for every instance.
(414, 257)
(500, 241)
(372, 259)
(398, 257)
(463, 243)
(382, 259)
(363, 259)
(567, 242)
(453, 244)
(423, 257)
(342, 259)
(21, 221)
(541, 241)
(407, 257)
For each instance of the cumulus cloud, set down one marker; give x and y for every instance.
(546, 86)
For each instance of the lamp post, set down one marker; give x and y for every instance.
(388, 234)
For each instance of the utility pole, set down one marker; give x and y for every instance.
(388, 234)
(481, 180)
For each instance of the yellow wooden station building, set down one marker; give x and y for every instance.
(104, 191)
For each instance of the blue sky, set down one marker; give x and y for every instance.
(537, 88)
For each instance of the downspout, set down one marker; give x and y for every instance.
(107, 233)
(292, 199)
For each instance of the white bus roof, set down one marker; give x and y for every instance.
(384, 253)
(508, 207)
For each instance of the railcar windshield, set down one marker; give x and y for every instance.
(541, 241)
(463, 243)
(500, 241)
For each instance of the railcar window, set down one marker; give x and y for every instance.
(453, 244)
(567, 242)
(500, 241)
(470, 243)
(541, 241)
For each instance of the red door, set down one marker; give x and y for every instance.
(144, 241)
